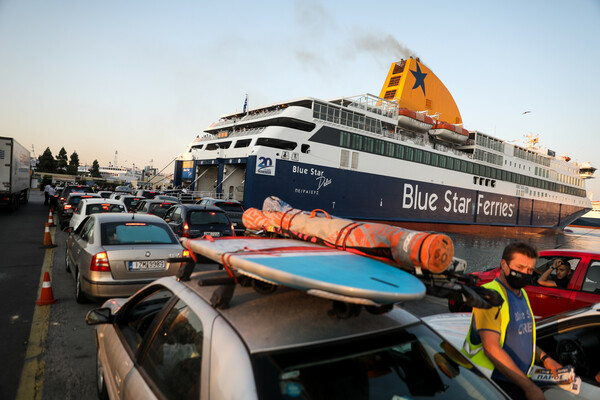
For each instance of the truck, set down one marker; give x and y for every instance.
(15, 173)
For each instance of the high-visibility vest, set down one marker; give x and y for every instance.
(475, 351)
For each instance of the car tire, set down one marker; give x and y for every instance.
(100, 383)
(79, 295)
(67, 263)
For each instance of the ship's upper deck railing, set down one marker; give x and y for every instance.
(374, 104)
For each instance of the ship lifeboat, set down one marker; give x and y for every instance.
(414, 121)
(450, 132)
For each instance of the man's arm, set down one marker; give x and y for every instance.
(543, 358)
(545, 278)
(505, 364)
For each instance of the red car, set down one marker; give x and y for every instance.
(583, 286)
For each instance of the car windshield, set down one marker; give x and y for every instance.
(125, 233)
(413, 363)
(230, 207)
(159, 209)
(130, 202)
(206, 217)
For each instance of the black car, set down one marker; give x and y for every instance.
(70, 204)
(152, 206)
(233, 208)
(62, 196)
(192, 221)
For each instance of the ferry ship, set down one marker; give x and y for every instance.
(591, 219)
(401, 158)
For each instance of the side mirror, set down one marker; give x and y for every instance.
(99, 316)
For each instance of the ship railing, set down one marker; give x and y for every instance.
(235, 133)
(195, 196)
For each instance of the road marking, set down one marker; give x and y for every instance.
(31, 384)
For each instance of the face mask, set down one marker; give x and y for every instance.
(517, 280)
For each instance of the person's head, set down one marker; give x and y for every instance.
(562, 269)
(518, 262)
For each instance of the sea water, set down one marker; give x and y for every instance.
(484, 252)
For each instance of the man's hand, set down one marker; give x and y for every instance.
(552, 365)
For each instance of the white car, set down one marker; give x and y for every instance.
(94, 206)
(571, 338)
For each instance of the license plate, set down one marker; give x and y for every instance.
(150, 265)
(215, 234)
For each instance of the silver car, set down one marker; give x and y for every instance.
(116, 254)
(179, 340)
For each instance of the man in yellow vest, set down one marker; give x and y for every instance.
(501, 340)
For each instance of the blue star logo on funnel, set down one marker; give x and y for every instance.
(419, 78)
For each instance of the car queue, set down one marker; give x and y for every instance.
(170, 341)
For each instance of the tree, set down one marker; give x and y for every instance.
(73, 164)
(61, 161)
(47, 163)
(96, 169)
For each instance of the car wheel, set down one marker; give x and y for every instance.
(100, 383)
(67, 264)
(79, 295)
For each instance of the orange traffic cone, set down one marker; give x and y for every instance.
(46, 297)
(50, 220)
(48, 238)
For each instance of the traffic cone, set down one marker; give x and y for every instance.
(48, 238)
(46, 297)
(50, 219)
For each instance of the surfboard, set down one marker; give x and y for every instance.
(318, 270)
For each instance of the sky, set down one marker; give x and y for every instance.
(143, 78)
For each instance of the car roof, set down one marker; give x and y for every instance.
(289, 318)
(194, 207)
(87, 194)
(96, 200)
(129, 217)
(569, 251)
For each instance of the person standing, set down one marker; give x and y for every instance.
(46, 195)
(501, 340)
(52, 196)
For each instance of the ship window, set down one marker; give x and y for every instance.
(345, 139)
(442, 161)
(276, 143)
(427, 158)
(435, 159)
(358, 121)
(418, 155)
(399, 151)
(242, 143)
(198, 147)
(469, 167)
(219, 145)
(457, 164)
(368, 144)
(357, 142)
(389, 149)
(409, 153)
(346, 118)
(379, 147)
(450, 163)
(305, 148)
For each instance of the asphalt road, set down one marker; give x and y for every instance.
(48, 352)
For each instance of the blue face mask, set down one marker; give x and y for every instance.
(518, 280)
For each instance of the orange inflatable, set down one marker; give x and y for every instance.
(430, 251)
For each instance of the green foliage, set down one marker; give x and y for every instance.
(61, 161)
(47, 163)
(73, 164)
(96, 169)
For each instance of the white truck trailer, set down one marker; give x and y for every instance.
(15, 173)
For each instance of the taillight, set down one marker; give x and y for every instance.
(232, 230)
(186, 253)
(68, 206)
(186, 230)
(100, 262)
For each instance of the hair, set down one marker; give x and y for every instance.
(521, 248)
